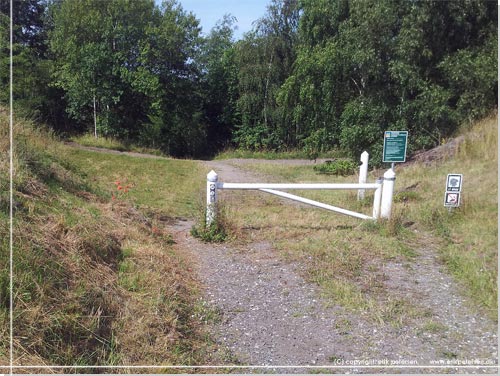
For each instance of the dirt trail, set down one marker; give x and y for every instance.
(272, 317)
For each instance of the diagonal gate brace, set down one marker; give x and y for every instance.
(316, 203)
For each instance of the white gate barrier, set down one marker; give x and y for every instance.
(382, 200)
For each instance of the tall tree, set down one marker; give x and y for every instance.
(171, 53)
(220, 81)
(31, 67)
(265, 58)
(83, 47)
(28, 23)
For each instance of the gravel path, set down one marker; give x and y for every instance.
(272, 317)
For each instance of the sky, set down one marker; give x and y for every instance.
(211, 11)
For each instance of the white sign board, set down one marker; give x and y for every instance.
(454, 183)
(453, 190)
(452, 199)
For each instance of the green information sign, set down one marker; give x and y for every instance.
(395, 146)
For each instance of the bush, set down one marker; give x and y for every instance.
(217, 231)
(342, 167)
(317, 142)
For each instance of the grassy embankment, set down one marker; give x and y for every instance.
(344, 255)
(96, 279)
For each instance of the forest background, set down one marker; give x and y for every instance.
(313, 75)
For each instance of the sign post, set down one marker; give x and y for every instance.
(453, 191)
(395, 143)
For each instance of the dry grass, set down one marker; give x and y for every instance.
(96, 281)
(466, 238)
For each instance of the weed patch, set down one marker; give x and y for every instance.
(218, 231)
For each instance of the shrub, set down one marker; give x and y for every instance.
(342, 167)
(317, 142)
(217, 231)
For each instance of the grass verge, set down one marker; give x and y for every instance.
(167, 185)
(250, 154)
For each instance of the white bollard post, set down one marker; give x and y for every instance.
(387, 193)
(363, 173)
(211, 196)
(377, 197)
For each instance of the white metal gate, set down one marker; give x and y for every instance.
(382, 199)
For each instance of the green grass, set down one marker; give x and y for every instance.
(169, 186)
(272, 155)
(100, 142)
(112, 144)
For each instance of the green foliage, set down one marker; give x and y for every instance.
(312, 74)
(264, 59)
(361, 128)
(220, 83)
(414, 65)
(218, 231)
(317, 143)
(111, 64)
(343, 167)
(255, 138)
(472, 76)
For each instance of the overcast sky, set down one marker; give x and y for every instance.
(210, 11)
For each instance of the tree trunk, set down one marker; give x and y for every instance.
(268, 78)
(95, 119)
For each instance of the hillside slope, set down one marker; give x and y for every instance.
(96, 281)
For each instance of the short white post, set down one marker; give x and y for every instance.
(363, 172)
(387, 193)
(377, 198)
(211, 196)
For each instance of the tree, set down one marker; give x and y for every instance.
(31, 67)
(171, 53)
(219, 82)
(83, 47)
(358, 59)
(28, 24)
(265, 58)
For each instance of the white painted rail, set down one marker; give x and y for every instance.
(296, 186)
